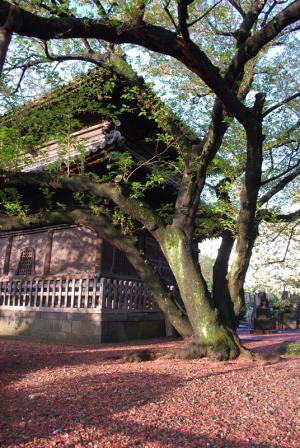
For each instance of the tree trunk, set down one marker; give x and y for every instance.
(247, 224)
(216, 340)
(221, 293)
(5, 38)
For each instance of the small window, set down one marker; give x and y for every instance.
(26, 264)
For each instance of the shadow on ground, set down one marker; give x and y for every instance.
(90, 406)
(95, 408)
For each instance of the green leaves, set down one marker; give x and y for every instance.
(121, 163)
(12, 202)
(122, 221)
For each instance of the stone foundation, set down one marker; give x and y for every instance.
(88, 328)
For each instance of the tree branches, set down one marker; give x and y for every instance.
(158, 39)
(137, 209)
(253, 44)
(279, 185)
(182, 10)
(281, 103)
(238, 7)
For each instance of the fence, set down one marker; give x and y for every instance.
(104, 293)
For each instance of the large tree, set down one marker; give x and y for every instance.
(178, 30)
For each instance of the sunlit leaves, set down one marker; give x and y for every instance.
(12, 202)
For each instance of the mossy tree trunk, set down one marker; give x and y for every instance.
(220, 290)
(247, 222)
(210, 332)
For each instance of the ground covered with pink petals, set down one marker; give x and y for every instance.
(58, 396)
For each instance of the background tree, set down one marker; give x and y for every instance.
(274, 265)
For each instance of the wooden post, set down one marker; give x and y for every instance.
(59, 293)
(94, 292)
(79, 304)
(101, 293)
(36, 289)
(48, 297)
(72, 293)
(9, 293)
(29, 293)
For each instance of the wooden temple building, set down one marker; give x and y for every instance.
(66, 283)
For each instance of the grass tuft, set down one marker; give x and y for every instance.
(290, 348)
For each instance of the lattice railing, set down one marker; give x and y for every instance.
(111, 294)
(126, 295)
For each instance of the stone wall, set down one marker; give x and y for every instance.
(87, 328)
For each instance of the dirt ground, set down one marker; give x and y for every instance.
(59, 396)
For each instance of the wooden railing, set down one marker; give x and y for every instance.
(86, 294)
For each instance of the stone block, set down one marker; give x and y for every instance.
(63, 326)
(41, 327)
(48, 315)
(15, 314)
(15, 327)
(122, 331)
(85, 328)
(131, 316)
(92, 317)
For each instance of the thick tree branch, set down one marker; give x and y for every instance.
(277, 176)
(279, 186)
(253, 44)
(6, 31)
(153, 37)
(247, 225)
(220, 284)
(238, 7)
(206, 13)
(249, 20)
(220, 269)
(273, 217)
(137, 209)
(182, 10)
(5, 38)
(191, 186)
(281, 103)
